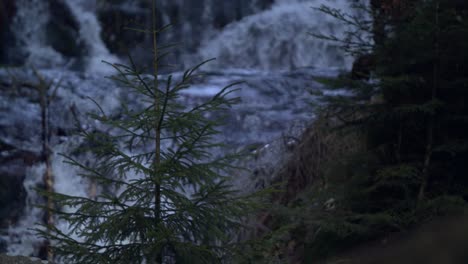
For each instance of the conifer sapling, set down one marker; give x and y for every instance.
(164, 196)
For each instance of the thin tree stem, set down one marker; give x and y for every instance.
(157, 158)
(431, 125)
(47, 177)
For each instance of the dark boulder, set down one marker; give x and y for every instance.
(12, 195)
(115, 21)
(13, 164)
(7, 12)
(62, 30)
(3, 246)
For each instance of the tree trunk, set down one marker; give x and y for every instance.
(431, 124)
(48, 176)
(157, 158)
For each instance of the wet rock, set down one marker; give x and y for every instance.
(13, 164)
(114, 20)
(12, 193)
(7, 12)
(62, 30)
(3, 246)
(192, 22)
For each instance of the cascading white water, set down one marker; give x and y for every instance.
(279, 38)
(90, 30)
(22, 239)
(29, 28)
(271, 39)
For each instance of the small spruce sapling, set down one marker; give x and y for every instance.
(171, 204)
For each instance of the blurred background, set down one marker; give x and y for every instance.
(252, 34)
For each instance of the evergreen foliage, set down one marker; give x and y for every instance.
(408, 106)
(420, 70)
(413, 113)
(164, 196)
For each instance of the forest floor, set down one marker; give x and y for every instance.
(440, 241)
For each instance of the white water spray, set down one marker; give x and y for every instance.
(279, 38)
(90, 34)
(30, 29)
(22, 240)
(29, 26)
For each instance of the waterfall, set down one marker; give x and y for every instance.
(22, 240)
(90, 35)
(278, 39)
(262, 42)
(29, 26)
(261, 34)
